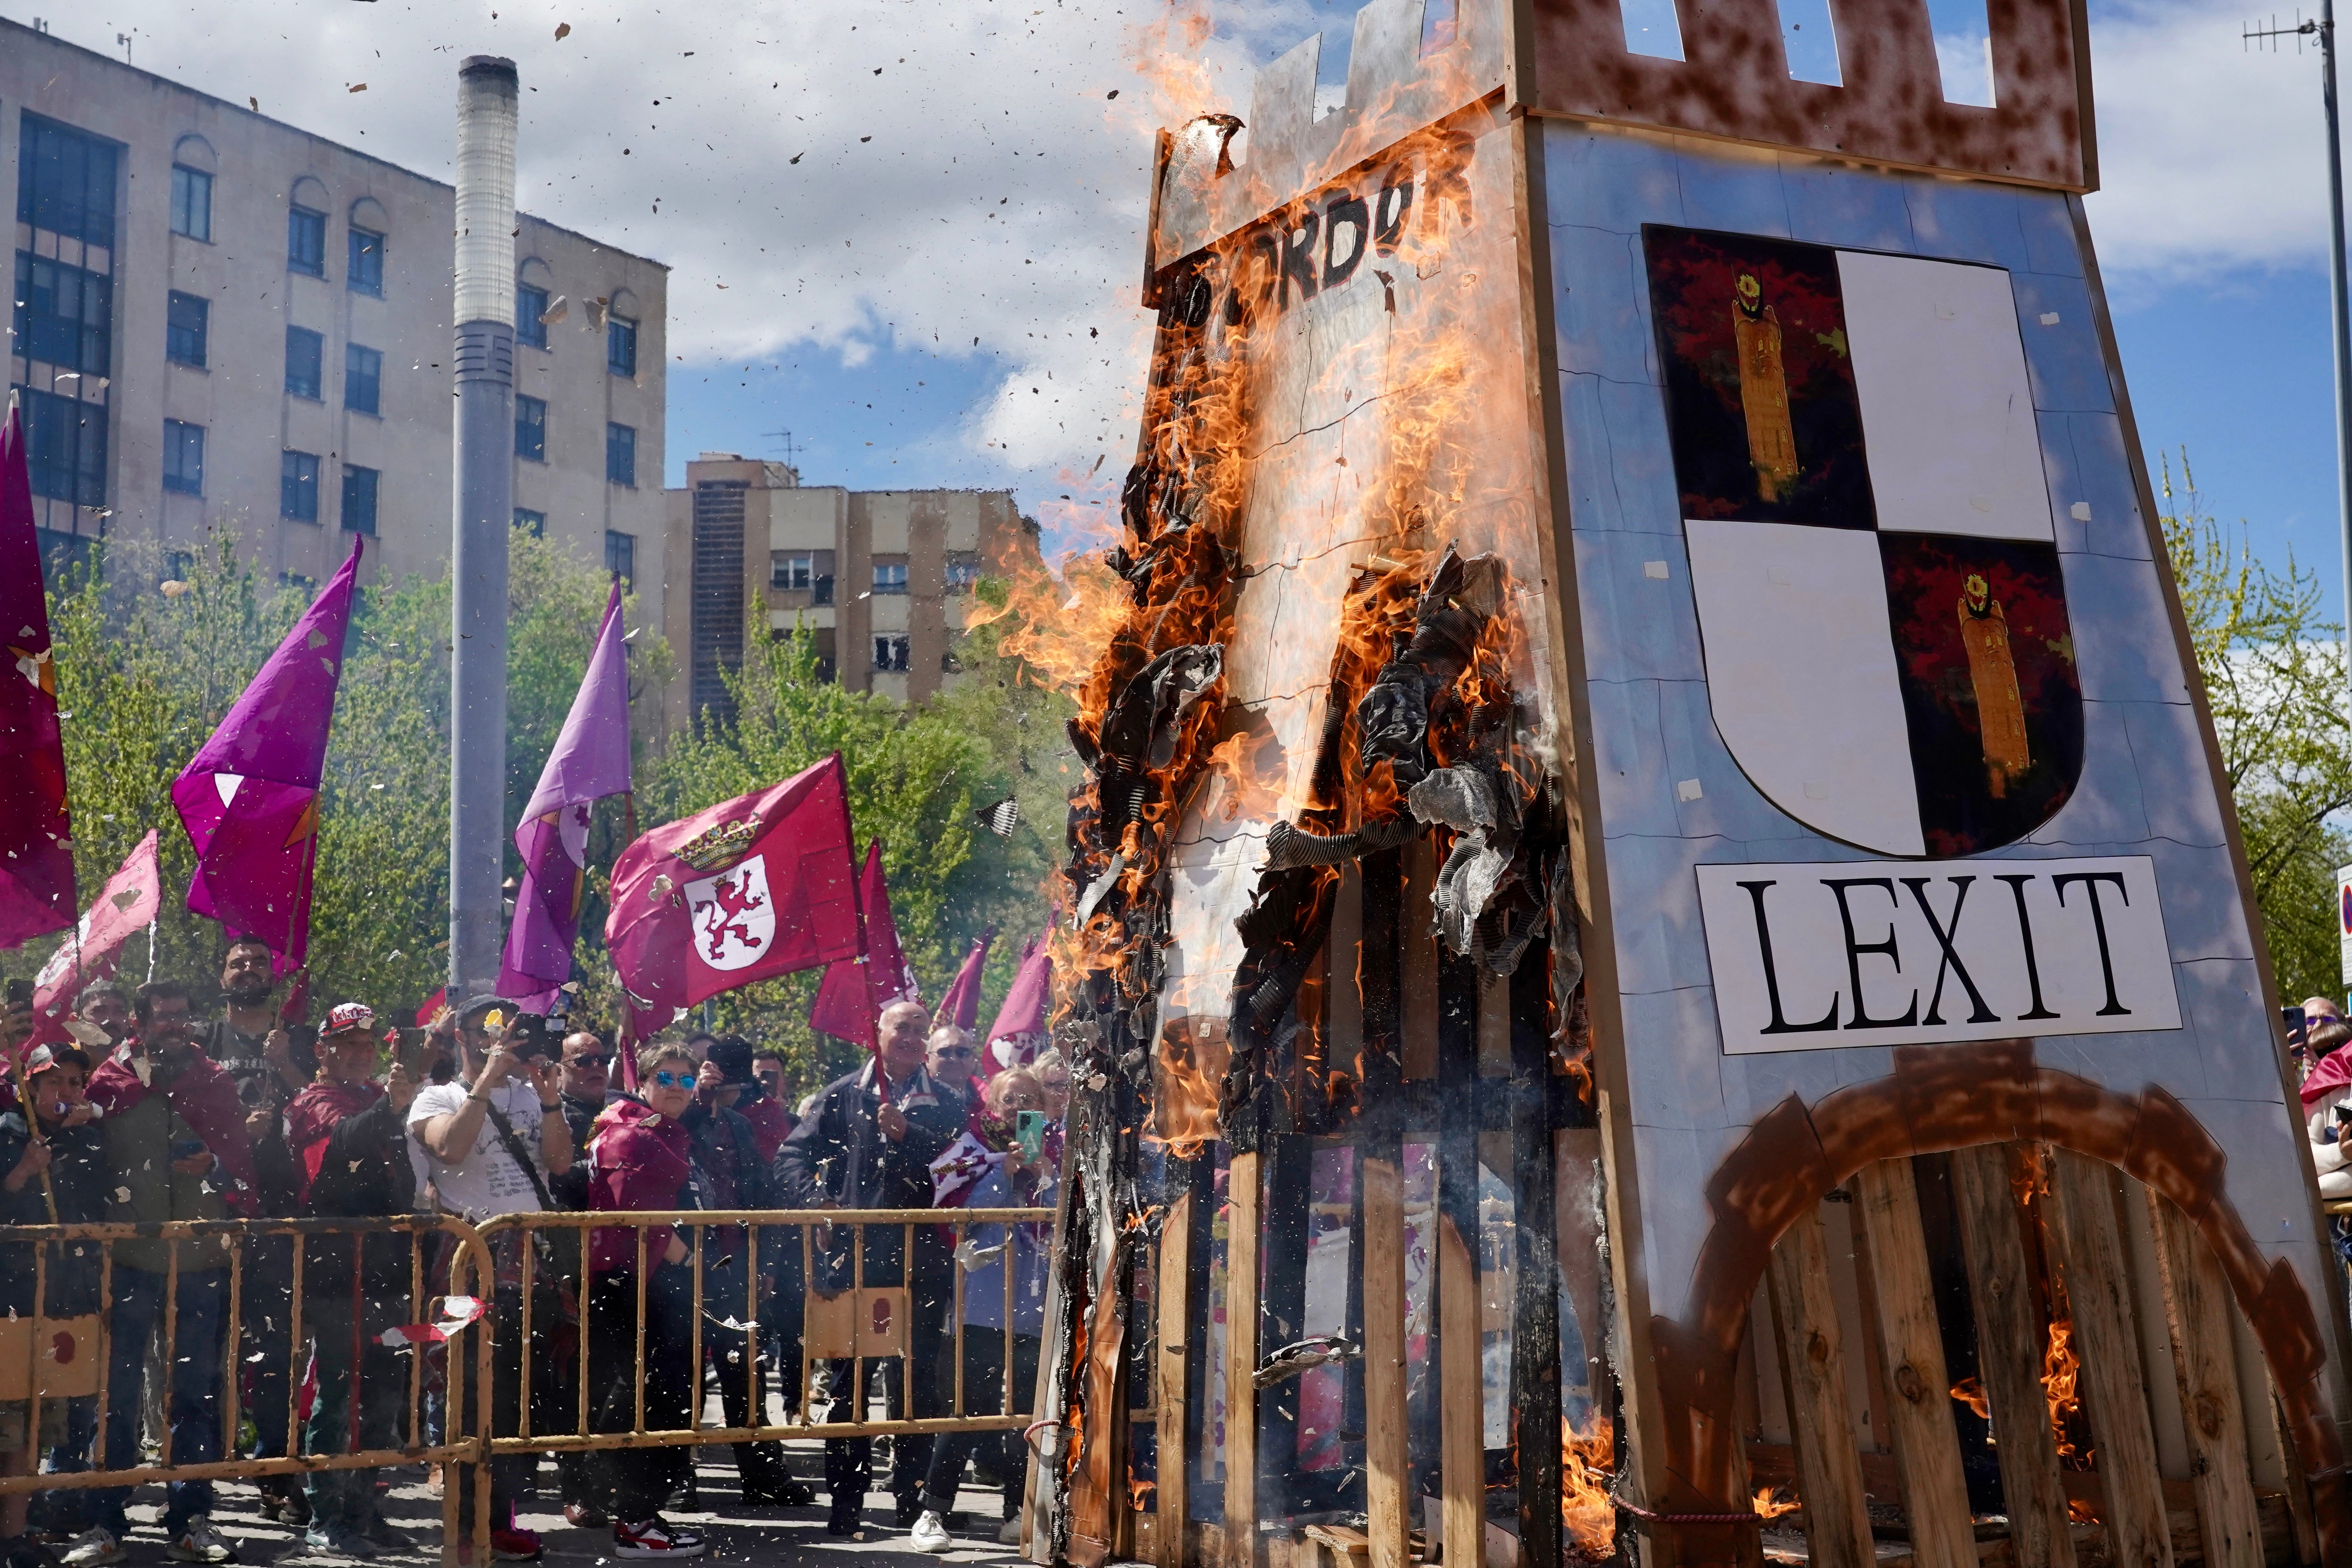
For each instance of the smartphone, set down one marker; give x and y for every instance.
(20, 993)
(1029, 1132)
(530, 1037)
(2297, 1027)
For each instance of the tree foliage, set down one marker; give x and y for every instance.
(143, 677)
(2274, 673)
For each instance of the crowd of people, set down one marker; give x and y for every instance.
(493, 1112)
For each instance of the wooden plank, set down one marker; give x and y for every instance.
(1919, 1414)
(1174, 1391)
(1461, 1390)
(1385, 1459)
(1576, 1195)
(1536, 1395)
(2011, 1340)
(1420, 965)
(2092, 1262)
(2302, 1525)
(1097, 1493)
(1242, 1241)
(1813, 1355)
(2196, 1308)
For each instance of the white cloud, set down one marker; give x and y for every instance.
(2212, 156)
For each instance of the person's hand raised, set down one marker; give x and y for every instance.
(400, 1087)
(35, 1160)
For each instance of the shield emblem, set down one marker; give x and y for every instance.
(733, 916)
(1871, 548)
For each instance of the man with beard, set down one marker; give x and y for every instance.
(583, 1082)
(270, 1064)
(105, 1005)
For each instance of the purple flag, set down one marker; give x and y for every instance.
(1019, 1032)
(36, 869)
(591, 760)
(960, 1006)
(249, 799)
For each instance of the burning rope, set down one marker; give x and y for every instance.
(1644, 1514)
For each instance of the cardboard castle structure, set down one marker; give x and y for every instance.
(1657, 921)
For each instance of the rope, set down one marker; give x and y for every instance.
(1644, 1514)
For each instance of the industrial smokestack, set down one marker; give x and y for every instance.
(488, 110)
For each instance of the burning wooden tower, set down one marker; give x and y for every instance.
(1655, 929)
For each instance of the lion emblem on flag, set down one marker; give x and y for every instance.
(734, 918)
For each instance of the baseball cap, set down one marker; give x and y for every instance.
(344, 1017)
(469, 1017)
(44, 1058)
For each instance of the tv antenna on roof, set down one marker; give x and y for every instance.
(2323, 32)
(790, 451)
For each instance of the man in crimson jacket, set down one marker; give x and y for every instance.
(868, 1142)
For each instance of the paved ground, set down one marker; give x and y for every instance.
(783, 1536)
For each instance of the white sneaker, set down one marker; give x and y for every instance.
(199, 1544)
(94, 1549)
(931, 1532)
(1010, 1534)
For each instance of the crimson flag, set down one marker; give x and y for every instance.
(129, 900)
(749, 889)
(37, 870)
(856, 988)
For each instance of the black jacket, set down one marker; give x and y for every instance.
(364, 1173)
(78, 1175)
(838, 1154)
(726, 1151)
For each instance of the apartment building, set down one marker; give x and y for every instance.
(882, 578)
(223, 322)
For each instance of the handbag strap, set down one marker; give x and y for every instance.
(517, 1153)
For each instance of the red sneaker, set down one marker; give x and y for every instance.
(514, 1546)
(656, 1537)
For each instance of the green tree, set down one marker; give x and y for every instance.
(2274, 673)
(143, 677)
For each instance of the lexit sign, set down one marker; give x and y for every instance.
(1896, 953)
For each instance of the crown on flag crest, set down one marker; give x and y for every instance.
(716, 848)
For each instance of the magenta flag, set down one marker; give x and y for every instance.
(751, 889)
(591, 760)
(130, 899)
(1019, 1031)
(36, 870)
(855, 989)
(960, 1006)
(249, 799)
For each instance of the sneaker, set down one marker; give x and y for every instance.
(848, 1525)
(511, 1545)
(385, 1536)
(931, 1532)
(94, 1548)
(656, 1537)
(909, 1510)
(335, 1540)
(198, 1543)
(1010, 1535)
(23, 1552)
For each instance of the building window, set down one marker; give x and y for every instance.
(306, 241)
(365, 273)
(359, 499)
(535, 522)
(531, 304)
(187, 321)
(795, 568)
(65, 182)
(192, 202)
(889, 577)
(621, 556)
(178, 565)
(621, 346)
(620, 454)
(362, 379)
(306, 353)
(890, 652)
(184, 457)
(64, 445)
(963, 570)
(65, 315)
(298, 485)
(531, 428)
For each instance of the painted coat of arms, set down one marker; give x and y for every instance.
(733, 916)
(1872, 549)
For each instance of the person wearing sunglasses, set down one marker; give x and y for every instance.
(642, 1160)
(583, 1084)
(950, 1062)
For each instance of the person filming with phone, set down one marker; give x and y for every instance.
(491, 1140)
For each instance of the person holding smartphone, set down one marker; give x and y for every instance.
(490, 1139)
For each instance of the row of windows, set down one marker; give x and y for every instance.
(620, 549)
(530, 329)
(65, 315)
(530, 441)
(813, 570)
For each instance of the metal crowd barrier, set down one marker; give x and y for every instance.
(860, 1323)
(50, 1376)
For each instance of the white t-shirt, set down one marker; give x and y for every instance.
(486, 1183)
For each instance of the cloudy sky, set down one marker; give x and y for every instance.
(908, 232)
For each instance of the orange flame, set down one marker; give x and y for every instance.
(1193, 1055)
(2029, 1173)
(1769, 1506)
(1969, 1392)
(2061, 1371)
(1586, 1508)
(2080, 1512)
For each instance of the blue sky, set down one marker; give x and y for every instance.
(910, 231)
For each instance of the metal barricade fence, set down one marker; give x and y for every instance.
(70, 1357)
(848, 1317)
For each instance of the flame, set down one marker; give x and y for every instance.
(2080, 1512)
(1768, 1505)
(1056, 626)
(2029, 1173)
(1193, 1055)
(1139, 1491)
(1586, 1508)
(2061, 1371)
(1969, 1392)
